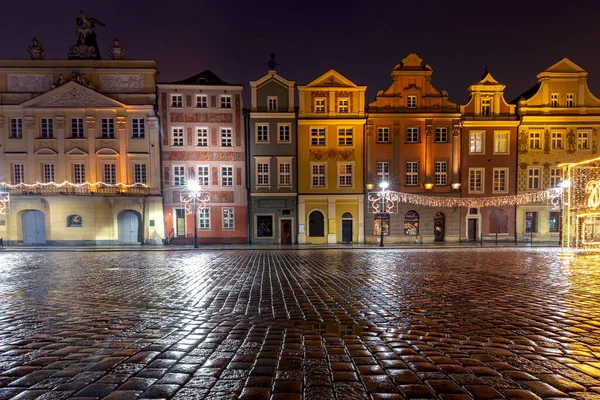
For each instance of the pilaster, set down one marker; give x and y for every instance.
(123, 140)
(28, 135)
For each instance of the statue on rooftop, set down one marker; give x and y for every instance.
(87, 46)
(116, 51)
(36, 50)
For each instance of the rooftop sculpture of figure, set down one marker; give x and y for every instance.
(116, 51)
(87, 46)
(36, 50)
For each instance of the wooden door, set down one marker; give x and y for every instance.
(34, 227)
(472, 229)
(285, 229)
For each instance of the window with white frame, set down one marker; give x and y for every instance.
(441, 173)
(476, 142)
(139, 173)
(412, 173)
(284, 172)
(226, 176)
(202, 137)
(107, 127)
(555, 177)
(203, 175)
(201, 101)
(319, 105)
(554, 100)
(486, 110)
(383, 171)
(441, 134)
(262, 133)
(317, 175)
(476, 180)
(343, 105)
(204, 218)
(285, 135)
(77, 128)
(16, 128)
(412, 134)
(500, 142)
(345, 137)
(411, 101)
(178, 175)
(345, 174)
(110, 173)
(79, 173)
(262, 171)
(47, 128)
(535, 140)
(138, 128)
(228, 219)
(177, 100)
(272, 103)
(177, 137)
(500, 182)
(583, 140)
(383, 134)
(226, 137)
(18, 173)
(225, 101)
(557, 141)
(534, 178)
(48, 172)
(317, 137)
(570, 100)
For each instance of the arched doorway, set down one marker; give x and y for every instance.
(346, 227)
(439, 227)
(316, 224)
(130, 228)
(34, 227)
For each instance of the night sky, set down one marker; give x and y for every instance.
(363, 40)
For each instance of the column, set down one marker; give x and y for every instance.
(332, 220)
(370, 143)
(28, 135)
(429, 151)
(396, 144)
(154, 156)
(90, 123)
(456, 151)
(59, 134)
(301, 220)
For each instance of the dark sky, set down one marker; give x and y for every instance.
(363, 40)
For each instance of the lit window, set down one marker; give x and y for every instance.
(534, 175)
(411, 102)
(77, 128)
(342, 105)
(179, 175)
(554, 222)
(412, 134)
(500, 184)
(441, 135)
(383, 135)
(227, 176)
(177, 137)
(557, 140)
(383, 171)
(486, 107)
(228, 219)
(225, 101)
(317, 137)
(535, 140)
(476, 180)
(284, 133)
(441, 172)
(570, 100)
(139, 173)
(272, 103)
(78, 173)
(318, 175)
(110, 173)
(108, 128)
(202, 137)
(204, 218)
(345, 137)
(18, 174)
(583, 140)
(203, 175)
(554, 100)
(201, 101)
(262, 133)
(177, 100)
(319, 105)
(501, 142)
(412, 173)
(16, 128)
(555, 177)
(138, 128)
(226, 137)
(47, 128)
(531, 221)
(345, 175)
(476, 142)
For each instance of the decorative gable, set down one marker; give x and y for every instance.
(565, 65)
(76, 152)
(72, 95)
(332, 78)
(45, 151)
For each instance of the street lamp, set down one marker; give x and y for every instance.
(193, 195)
(383, 185)
(193, 187)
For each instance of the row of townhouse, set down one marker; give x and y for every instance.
(98, 152)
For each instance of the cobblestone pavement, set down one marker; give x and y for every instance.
(322, 324)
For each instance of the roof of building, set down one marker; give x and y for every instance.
(527, 94)
(207, 77)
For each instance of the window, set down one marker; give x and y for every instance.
(228, 219)
(317, 178)
(500, 183)
(345, 137)
(534, 175)
(317, 137)
(78, 173)
(570, 100)
(284, 133)
(486, 107)
(554, 222)
(476, 180)
(412, 173)
(535, 140)
(107, 128)
(48, 173)
(226, 176)
(177, 100)
(441, 135)
(383, 135)
(16, 128)
(203, 175)
(177, 137)
(441, 173)
(412, 134)
(531, 221)
(202, 137)
(47, 128)
(18, 174)
(500, 142)
(262, 133)
(138, 128)
(380, 220)
(262, 173)
(555, 177)
(226, 137)
(557, 140)
(204, 218)
(342, 105)
(179, 175)
(76, 127)
(285, 173)
(110, 174)
(272, 103)
(583, 140)
(201, 101)
(476, 142)
(319, 105)
(225, 101)
(411, 223)
(139, 173)
(554, 100)
(264, 226)
(411, 102)
(383, 171)
(345, 175)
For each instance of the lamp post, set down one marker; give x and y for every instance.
(193, 187)
(383, 185)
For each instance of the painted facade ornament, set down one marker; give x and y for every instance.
(571, 142)
(87, 45)
(35, 50)
(523, 143)
(116, 51)
(547, 142)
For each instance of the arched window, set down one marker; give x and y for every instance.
(74, 221)
(411, 223)
(498, 221)
(316, 224)
(346, 215)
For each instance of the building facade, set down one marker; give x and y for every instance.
(79, 152)
(413, 143)
(331, 119)
(488, 161)
(203, 139)
(559, 121)
(272, 161)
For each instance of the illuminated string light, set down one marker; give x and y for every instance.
(4, 203)
(66, 184)
(187, 200)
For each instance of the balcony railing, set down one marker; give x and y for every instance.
(75, 190)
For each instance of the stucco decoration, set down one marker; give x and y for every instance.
(29, 122)
(121, 123)
(203, 156)
(201, 117)
(331, 154)
(59, 122)
(76, 97)
(36, 83)
(571, 142)
(523, 165)
(523, 143)
(546, 142)
(122, 83)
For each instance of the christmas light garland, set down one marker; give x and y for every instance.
(4, 202)
(66, 184)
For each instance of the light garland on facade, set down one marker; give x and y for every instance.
(188, 200)
(4, 203)
(66, 184)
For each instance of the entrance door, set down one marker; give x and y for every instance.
(472, 229)
(129, 227)
(439, 226)
(180, 229)
(34, 227)
(346, 230)
(285, 229)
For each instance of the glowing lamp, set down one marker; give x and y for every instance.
(455, 186)
(428, 186)
(369, 186)
(384, 185)
(193, 186)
